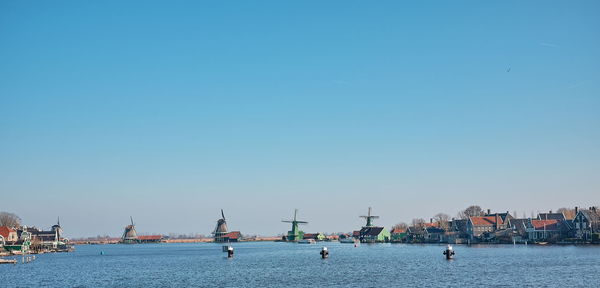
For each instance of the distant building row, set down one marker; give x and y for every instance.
(549, 227)
(25, 239)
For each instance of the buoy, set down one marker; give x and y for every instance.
(449, 252)
(324, 253)
(230, 252)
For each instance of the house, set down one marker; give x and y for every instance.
(233, 236)
(8, 235)
(415, 234)
(457, 231)
(22, 242)
(315, 236)
(372, 234)
(504, 216)
(546, 230)
(398, 235)
(519, 229)
(150, 239)
(586, 223)
(482, 227)
(434, 234)
(551, 216)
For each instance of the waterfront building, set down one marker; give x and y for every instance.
(587, 223)
(398, 235)
(22, 243)
(233, 236)
(8, 234)
(415, 234)
(434, 234)
(457, 231)
(374, 234)
(504, 216)
(52, 239)
(484, 227)
(552, 216)
(150, 239)
(315, 236)
(546, 230)
(371, 233)
(519, 229)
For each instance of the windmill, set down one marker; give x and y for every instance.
(295, 234)
(220, 229)
(129, 235)
(369, 218)
(56, 228)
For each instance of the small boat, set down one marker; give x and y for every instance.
(541, 243)
(307, 241)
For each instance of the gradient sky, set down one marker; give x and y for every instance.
(170, 111)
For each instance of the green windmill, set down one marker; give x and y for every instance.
(295, 234)
(369, 218)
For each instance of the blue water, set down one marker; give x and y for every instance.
(269, 264)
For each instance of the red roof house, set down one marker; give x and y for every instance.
(9, 234)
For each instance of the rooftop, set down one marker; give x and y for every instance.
(486, 220)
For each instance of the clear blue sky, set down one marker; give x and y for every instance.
(170, 111)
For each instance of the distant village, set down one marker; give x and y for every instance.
(472, 226)
(16, 239)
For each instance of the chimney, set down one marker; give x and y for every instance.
(489, 212)
(430, 220)
(550, 212)
(576, 210)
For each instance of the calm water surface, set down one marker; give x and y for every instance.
(269, 264)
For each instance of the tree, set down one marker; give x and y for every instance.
(418, 222)
(569, 213)
(400, 225)
(10, 220)
(442, 219)
(471, 211)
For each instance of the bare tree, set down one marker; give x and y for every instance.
(569, 213)
(418, 222)
(442, 219)
(471, 211)
(10, 220)
(400, 225)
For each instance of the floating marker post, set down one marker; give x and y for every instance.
(324, 253)
(449, 252)
(230, 252)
